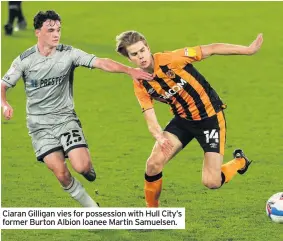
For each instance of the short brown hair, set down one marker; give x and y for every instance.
(41, 17)
(126, 39)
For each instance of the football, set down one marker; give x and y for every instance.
(274, 207)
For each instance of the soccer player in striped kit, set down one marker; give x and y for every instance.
(198, 110)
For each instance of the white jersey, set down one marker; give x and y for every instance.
(48, 79)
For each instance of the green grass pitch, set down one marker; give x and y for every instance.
(117, 134)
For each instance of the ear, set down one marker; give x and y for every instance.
(37, 32)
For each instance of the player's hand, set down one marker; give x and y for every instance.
(7, 111)
(166, 146)
(138, 74)
(255, 45)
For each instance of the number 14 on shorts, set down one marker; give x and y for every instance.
(211, 135)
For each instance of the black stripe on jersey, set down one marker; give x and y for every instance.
(190, 90)
(90, 62)
(27, 53)
(156, 96)
(8, 83)
(63, 47)
(182, 102)
(71, 80)
(213, 96)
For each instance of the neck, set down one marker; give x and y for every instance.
(150, 68)
(45, 50)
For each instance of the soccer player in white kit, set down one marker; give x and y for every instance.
(47, 69)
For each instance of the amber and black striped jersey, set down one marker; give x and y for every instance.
(177, 83)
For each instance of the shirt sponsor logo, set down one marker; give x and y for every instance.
(151, 91)
(171, 92)
(47, 82)
(174, 90)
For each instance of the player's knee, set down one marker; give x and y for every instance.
(211, 183)
(84, 166)
(153, 167)
(64, 177)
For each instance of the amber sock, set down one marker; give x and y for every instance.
(229, 169)
(152, 189)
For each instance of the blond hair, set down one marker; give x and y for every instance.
(126, 39)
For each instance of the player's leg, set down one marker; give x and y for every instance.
(74, 143)
(211, 172)
(55, 161)
(49, 149)
(215, 174)
(22, 24)
(154, 167)
(155, 163)
(13, 12)
(81, 162)
(212, 138)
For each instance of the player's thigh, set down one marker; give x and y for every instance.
(157, 156)
(180, 129)
(212, 164)
(75, 146)
(80, 159)
(211, 133)
(55, 161)
(71, 136)
(44, 143)
(211, 171)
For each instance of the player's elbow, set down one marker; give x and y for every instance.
(207, 50)
(102, 63)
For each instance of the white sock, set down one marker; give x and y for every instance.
(77, 191)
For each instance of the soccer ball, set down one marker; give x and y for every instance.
(274, 207)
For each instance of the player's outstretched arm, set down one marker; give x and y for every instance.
(157, 132)
(110, 65)
(7, 109)
(231, 49)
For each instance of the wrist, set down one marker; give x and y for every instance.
(4, 103)
(128, 70)
(247, 51)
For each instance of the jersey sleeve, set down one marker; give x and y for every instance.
(13, 75)
(81, 58)
(187, 55)
(143, 97)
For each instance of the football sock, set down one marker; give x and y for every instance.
(152, 189)
(77, 191)
(229, 169)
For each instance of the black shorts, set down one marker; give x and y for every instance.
(210, 132)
